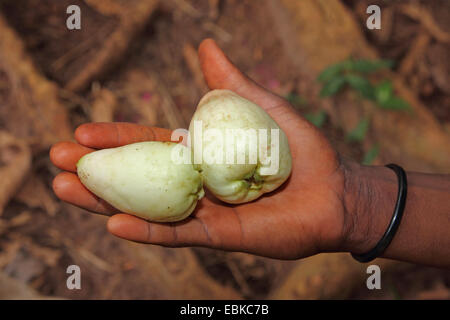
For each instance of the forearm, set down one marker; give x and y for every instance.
(424, 233)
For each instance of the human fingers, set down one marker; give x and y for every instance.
(221, 73)
(68, 187)
(102, 135)
(66, 154)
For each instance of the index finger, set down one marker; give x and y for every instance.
(100, 135)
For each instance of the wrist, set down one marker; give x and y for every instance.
(369, 200)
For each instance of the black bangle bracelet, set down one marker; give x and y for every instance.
(395, 221)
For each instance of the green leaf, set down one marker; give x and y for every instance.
(362, 85)
(395, 103)
(383, 91)
(296, 99)
(369, 66)
(361, 65)
(371, 155)
(330, 72)
(360, 131)
(317, 119)
(332, 87)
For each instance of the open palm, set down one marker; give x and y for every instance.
(304, 216)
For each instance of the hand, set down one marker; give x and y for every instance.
(306, 215)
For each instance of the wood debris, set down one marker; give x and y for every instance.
(35, 194)
(133, 17)
(103, 106)
(30, 105)
(15, 163)
(419, 13)
(191, 57)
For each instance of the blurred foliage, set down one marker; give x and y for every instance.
(360, 131)
(317, 118)
(296, 100)
(371, 155)
(354, 73)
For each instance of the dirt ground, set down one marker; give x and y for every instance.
(40, 236)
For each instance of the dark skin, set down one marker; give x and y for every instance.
(327, 205)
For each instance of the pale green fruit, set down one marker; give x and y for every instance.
(223, 110)
(141, 179)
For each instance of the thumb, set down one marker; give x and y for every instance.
(305, 140)
(221, 73)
